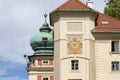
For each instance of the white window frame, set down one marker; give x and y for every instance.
(74, 65)
(116, 66)
(116, 46)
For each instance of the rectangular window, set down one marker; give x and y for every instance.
(45, 78)
(45, 39)
(115, 46)
(45, 62)
(115, 66)
(74, 65)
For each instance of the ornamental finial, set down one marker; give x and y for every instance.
(45, 15)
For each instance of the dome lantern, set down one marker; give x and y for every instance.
(45, 26)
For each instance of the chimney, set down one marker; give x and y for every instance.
(89, 3)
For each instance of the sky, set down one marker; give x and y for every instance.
(19, 21)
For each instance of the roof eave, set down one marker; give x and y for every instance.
(94, 31)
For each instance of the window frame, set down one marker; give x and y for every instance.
(44, 39)
(74, 65)
(48, 62)
(45, 78)
(115, 66)
(115, 46)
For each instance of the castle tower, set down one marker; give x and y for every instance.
(41, 67)
(73, 41)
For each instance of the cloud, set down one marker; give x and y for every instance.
(12, 78)
(3, 71)
(12, 70)
(20, 19)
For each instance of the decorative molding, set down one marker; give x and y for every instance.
(66, 58)
(74, 45)
(42, 69)
(116, 52)
(83, 58)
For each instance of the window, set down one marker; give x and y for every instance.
(45, 62)
(45, 78)
(45, 39)
(74, 64)
(115, 66)
(105, 23)
(115, 46)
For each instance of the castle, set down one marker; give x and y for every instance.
(83, 46)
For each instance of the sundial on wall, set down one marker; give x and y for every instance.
(74, 45)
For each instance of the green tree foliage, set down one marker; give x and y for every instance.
(113, 8)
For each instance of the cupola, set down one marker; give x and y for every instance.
(42, 43)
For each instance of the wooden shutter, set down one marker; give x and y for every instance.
(51, 78)
(39, 78)
(39, 62)
(51, 62)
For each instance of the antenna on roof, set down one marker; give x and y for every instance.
(89, 3)
(45, 14)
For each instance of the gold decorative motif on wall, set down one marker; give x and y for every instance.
(74, 45)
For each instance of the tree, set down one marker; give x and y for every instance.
(113, 8)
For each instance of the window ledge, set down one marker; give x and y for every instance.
(115, 71)
(75, 71)
(115, 52)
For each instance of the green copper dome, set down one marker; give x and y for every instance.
(42, 43)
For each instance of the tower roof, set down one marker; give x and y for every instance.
(102, 23)
(42, 43)
(45, 26)
(107, 23)
(72, 5)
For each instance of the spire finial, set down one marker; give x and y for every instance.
(45, 15)
(45, 26)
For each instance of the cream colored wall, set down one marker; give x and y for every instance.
(40, 70)
(57, 51)
(33, 75)
(86, 35)
(103, 61)
(62, 58)
(42, 58)
(67, 73)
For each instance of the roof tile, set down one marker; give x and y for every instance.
(72, 5)
(113, 23)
